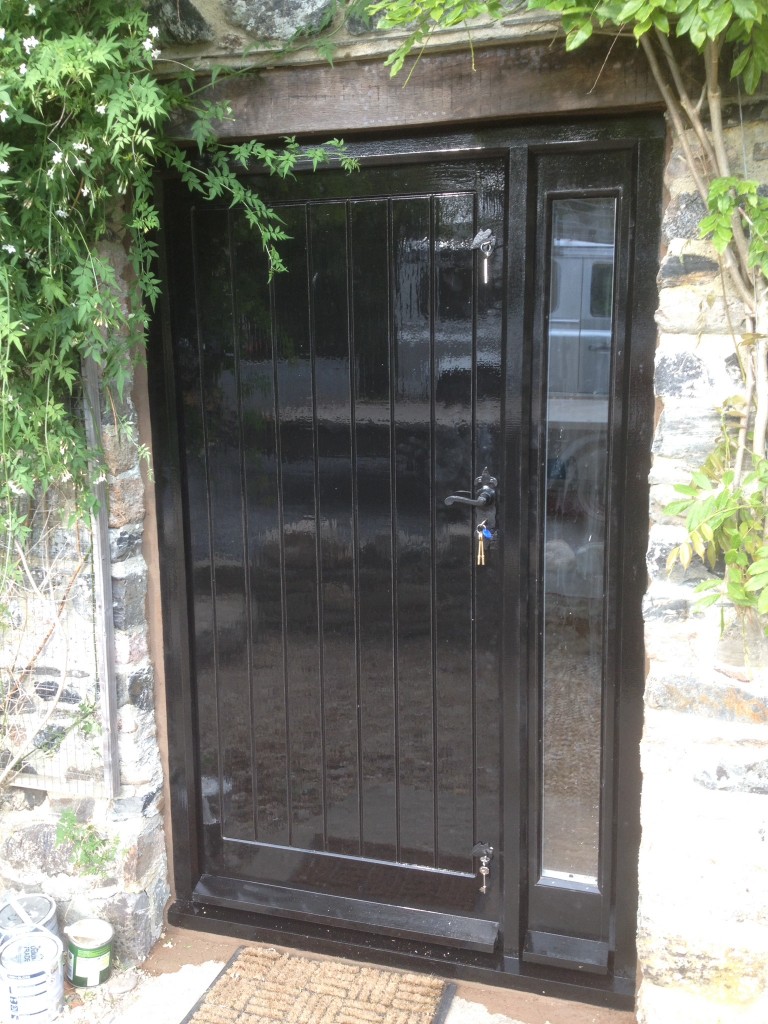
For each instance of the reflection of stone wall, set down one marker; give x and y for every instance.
(703, 925)
(132, 892)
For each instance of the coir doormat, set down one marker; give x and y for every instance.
(261, 985)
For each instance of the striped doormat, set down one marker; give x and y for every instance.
(261, 985)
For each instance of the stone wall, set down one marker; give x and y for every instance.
(703, 918)
(131, 891)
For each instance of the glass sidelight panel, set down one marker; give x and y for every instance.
(580, 327)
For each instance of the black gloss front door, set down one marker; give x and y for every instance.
(346, 619)
(364, 699)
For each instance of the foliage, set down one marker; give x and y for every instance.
(421, 19)
(734, 197)
(84, 126)
(90, 852)
(741, 22)
(725, 518)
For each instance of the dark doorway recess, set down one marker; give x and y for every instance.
(374, 693)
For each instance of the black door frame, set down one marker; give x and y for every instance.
(643, 136)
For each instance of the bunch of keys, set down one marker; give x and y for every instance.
(483, 534)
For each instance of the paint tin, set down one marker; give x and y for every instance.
(20, 912)
(32, 977)
(89, 952)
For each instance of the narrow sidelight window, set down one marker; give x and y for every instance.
(579, 341)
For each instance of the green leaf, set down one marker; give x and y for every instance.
(578, 36)
(756, 583)
(746, 10)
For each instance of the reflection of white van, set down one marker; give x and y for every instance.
(581, 298)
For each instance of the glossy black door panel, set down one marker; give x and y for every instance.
(347, 724)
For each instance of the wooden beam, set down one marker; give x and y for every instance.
(508, 83)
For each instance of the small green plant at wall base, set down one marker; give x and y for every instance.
(91, 853)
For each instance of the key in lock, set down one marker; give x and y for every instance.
(485, 852)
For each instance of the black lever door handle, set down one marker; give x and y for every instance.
(485, 493)
(484, 498)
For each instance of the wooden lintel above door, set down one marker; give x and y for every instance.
(606, 76)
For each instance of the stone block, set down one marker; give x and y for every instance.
(681, 374)
(33, 850)
(687, 431)
(687, 268)
(126, 499)
(682, 216)
(136, 687)
(278, 19)
(131, 646)
(150, 850)
(736, 774)
(119, 448)
(129, 591)
(359, 23)
(126, 542)
(179, 22)
(128, 720)
(660, 1004)
(691, 635)
(668, 471)
(667, 608)
(130, 914)
(139, 758)
(728, 975)
(703, 693)
(662, 540)
(125, 808)
(699, 309)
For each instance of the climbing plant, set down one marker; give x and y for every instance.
(691, 46)
(87, 105)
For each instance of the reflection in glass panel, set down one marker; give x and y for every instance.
(579, 363)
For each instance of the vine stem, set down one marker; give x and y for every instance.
(761, 376)
(676, 115)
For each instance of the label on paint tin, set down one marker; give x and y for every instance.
(86, 968)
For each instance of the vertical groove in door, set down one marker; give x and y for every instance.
(318, 528)
(351, 355)
(282, 559)
(246, 547)
(433, 529)
(394, 530)
(208, 502)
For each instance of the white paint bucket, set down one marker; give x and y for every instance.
(89, 952)
(21, 911)
(32, 977)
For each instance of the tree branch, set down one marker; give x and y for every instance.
(691, 110)
(715, 104)
(676, 115)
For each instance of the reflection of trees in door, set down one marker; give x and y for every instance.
(578, 378)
